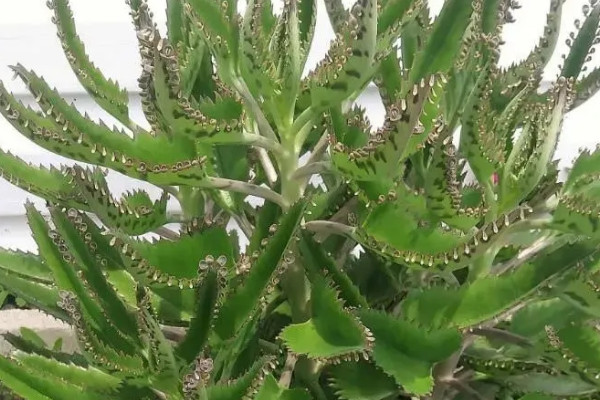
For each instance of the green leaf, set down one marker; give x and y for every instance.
(316, 259)
(272, 391)
(25, 265)
(154, 158)
(37, 382)
(414, 36)
(31, 336)
(107, 93)
(135, 214)
(534, 317)
(563, 385)
(488, 297)
(337, 14)
(361, 380)
(377, 166)
(267, 267)
(40, 295)
(73, 233)
(330, 85)
(581, 45)
(51, 184)
(538, 59)
(583, 342)
(41, 348)
(444, 42)
(331, 332)
(442, 188)
(85, 378)
(480, 148)
(536, 145)
(160, 83)
(586, 87)
(60, 262)
(584, 167)
(216, 26)
(408, 352)
(176, 23)
(581, 295)
(243, 385)
(161, 357)
(174, 263)
(197, 334)
(392, 12)
(257, 67)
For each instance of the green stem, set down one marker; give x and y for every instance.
(191, 201)
(297, 290)
(301, 128)
(291, 190)
(308, 372)
(330, 227)
(311, 169)
(483, 265)
(268, 346)
(490, 201)
(245, 188)
(264, 127)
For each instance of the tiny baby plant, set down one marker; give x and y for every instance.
(422, 267)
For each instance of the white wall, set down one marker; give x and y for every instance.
(27, 36)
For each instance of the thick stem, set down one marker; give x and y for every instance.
(267, 165)
(297, 290)
(291, 190)
(244, 224)
(288, 371)
(444, 372)
(264, 127)
(311, 169)
(330, 227)
(245, 188)
(302, 127)
(166, 233)
(490, 201)
(500, 334)
(191, 201)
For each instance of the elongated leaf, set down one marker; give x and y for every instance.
(317, 259)
(267, 267)
(565, 385)
(361, 380)
(73, 234)
(134, 215)
(51, 184)
(25, 265)
(106, 92)
(331, 333)
(330, 85)
(35, 383)
(85, 378)
(60, 262)
(408, 352)
(198, 332)
(272, 391)
(175, 263)
(40, 295)
(244, 384)
(581, 45)
(444, 42)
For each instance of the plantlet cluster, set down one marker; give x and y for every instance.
(422, 267)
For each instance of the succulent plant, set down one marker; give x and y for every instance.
(422, 266)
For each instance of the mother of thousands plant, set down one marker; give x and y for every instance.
(483, 288)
